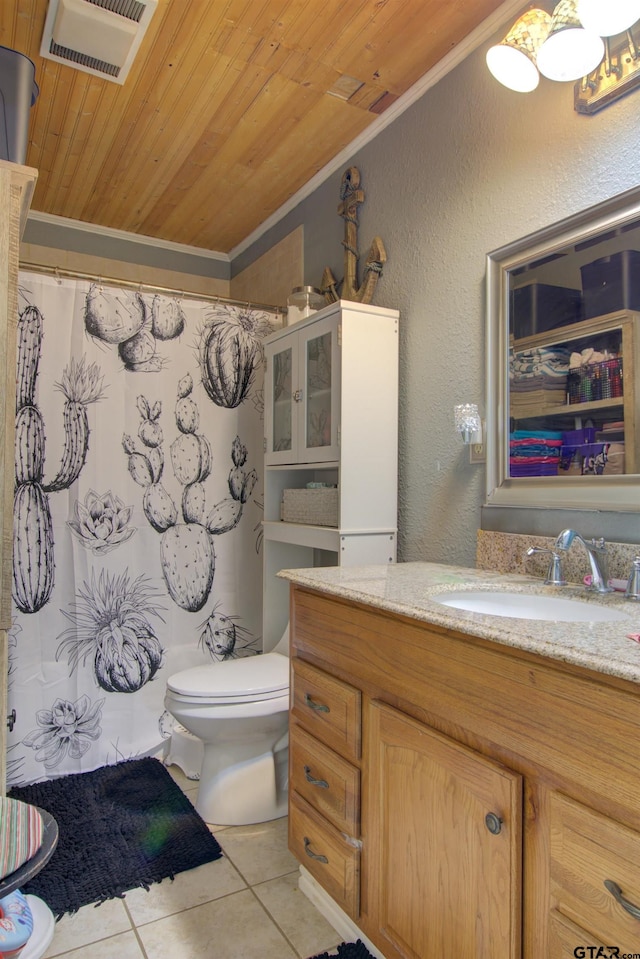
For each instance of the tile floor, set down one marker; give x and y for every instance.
(245, 905)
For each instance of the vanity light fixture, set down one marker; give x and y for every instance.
(513, 61)
(569, 51)
(608, 18)
(568, 45)
(468, 423)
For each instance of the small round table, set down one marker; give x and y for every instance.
(43, 919)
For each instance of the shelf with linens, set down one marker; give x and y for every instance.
(589, 397)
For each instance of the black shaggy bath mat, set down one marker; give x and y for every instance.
(347, 950)
(120, 827)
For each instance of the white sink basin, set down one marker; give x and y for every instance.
(530, 606)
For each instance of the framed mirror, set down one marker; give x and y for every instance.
(563, 363)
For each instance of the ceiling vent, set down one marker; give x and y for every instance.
(100, 37)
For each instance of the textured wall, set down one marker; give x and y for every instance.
(468, 168)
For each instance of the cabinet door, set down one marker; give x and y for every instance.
(302, 395)
(282, 362)
(318, 411)
(443, 845)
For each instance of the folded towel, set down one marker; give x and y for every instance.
(529, 447)
(587, 357)
(534, 459)
(536, 434)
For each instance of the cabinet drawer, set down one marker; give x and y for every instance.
(327, 707)
(567, 941)
(326, 854)
(586, 849)
(330, 784)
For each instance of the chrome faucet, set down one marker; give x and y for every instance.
(598, 559)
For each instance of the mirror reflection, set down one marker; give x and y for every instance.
(563, 355)
(573, 331)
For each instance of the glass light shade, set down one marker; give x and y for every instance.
(513, 61)
(569, 52)
(467, 420)
(608, 18)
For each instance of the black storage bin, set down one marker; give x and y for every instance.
(538, 307)
(611, 283)
(18, 93)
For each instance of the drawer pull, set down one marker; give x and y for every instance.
(310, 853)
(319, 708)
(493, 823)
(616, 892)
(11, 720)
(322, 783)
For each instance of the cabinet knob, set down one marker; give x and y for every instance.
(493, 823)
(11, 720)
(310, 853)
(616, 892)
(297, 396)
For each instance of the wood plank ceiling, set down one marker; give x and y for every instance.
(226, 112)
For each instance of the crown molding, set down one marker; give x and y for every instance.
(139, 238)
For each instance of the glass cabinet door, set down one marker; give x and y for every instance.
(302, 400)
(318, 392)
(318, 417)
(281, 438)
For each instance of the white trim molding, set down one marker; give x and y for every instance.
(331, 911)
(66, 223)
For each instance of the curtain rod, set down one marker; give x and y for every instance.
(148, 287)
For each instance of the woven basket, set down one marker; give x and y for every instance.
(313, 507)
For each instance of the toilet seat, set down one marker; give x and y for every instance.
(246, 680)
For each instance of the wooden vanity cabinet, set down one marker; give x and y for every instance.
(498, 789)
(324, 781)
(444, 832)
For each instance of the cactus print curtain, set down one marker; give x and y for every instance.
(137, 511)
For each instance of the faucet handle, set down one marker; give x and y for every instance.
(599, 544)
(633, 585)
(554, 572)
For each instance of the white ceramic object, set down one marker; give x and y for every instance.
(185, 750)
(43, 929)
(530, 606)
(239, 709)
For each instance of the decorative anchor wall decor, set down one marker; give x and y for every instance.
(351, 196)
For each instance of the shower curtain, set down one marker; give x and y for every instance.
(137, 512)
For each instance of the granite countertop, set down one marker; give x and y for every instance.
(409, 588)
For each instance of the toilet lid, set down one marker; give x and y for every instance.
(252, 677)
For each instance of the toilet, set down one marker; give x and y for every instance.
(239, 708)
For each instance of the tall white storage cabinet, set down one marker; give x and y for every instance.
(331, 416)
